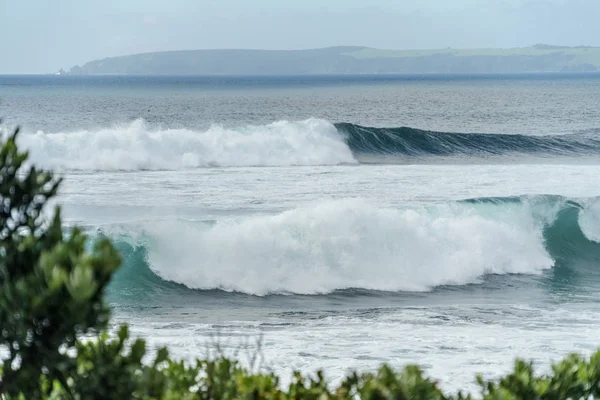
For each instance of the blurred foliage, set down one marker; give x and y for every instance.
(51, 288)
(54, 342)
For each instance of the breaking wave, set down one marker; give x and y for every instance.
(350, 244)
(136, 146)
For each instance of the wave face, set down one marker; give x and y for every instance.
(353, 245)
(416, 142)
(311, 142)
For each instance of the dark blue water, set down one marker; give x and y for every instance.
(564, 103)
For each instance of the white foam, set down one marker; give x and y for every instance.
(135, 147)
(347, 244)
(589, 219)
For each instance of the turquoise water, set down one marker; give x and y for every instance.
(452, 221)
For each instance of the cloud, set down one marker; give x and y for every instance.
(150, 19)
(46, 36)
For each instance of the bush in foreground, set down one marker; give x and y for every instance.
(52, 293)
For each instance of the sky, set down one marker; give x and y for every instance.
(42, 36)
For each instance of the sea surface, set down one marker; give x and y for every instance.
(336, 222)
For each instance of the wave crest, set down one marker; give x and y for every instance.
(135, 146)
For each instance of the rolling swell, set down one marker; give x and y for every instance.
(416, 142)
(353, 246)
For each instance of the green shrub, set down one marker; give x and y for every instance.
(51, 289)
(52, 295)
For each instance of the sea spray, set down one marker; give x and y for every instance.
(589, 220)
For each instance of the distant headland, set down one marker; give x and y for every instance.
(348, 60)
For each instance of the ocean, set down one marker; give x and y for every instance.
(336, 222)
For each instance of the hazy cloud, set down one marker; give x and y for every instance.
(43, 36)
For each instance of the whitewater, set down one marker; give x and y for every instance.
(336, 223)
(137, 147)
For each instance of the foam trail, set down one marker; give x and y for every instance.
(348, 244)
(136, 147)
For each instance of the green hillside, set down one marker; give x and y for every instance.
(350, 60)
